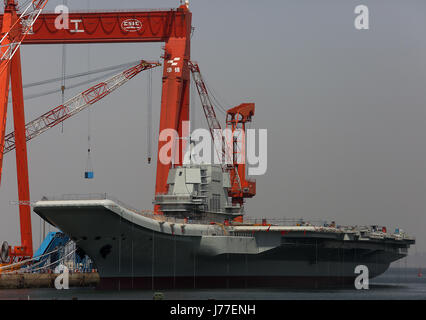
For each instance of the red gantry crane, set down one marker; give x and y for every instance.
(172, 27)
(14, 29)
(236, 119)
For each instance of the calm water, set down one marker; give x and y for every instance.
(397, 284)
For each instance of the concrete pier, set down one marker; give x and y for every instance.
(46, 280)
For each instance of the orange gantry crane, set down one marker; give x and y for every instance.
(30, 26)
(14, 29)
(236, 120)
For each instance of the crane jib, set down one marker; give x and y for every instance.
(76, 104)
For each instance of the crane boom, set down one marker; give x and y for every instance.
(76, 104)
(212, 121)
(236, 119)
(223, 150)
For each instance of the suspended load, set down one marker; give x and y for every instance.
(89, 174)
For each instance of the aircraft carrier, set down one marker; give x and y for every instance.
(198, 243)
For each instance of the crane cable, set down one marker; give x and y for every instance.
(79, 84)
(88, 174)
(82, 74)
(113, 70)
(213, 94)
(149, 116)
(63, 79)
(64, 53)
(89, 168)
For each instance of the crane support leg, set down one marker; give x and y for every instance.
(184, 116)
(4, 97)
(21, 154)
(4, 81)
(10, 70)
(174, 101)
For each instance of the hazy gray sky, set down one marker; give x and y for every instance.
(344, 109)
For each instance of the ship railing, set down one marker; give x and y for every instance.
(283, 221)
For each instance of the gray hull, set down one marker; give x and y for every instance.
(131, 250)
